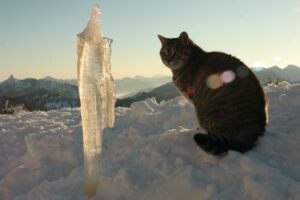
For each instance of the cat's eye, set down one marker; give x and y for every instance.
(171, 51)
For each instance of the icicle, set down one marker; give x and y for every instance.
(97, 95)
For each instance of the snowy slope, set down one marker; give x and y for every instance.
(150, 154)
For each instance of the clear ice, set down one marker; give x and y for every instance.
(97, 95)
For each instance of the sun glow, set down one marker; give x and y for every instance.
(277, 58)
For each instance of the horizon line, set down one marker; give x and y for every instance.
(133, 76)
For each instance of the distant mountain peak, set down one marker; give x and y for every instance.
(11, 77)
(49, 78)
(275, 67)
(139, 76)
(290, 73)
(292, 67)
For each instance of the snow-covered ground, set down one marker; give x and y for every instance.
(150, 154)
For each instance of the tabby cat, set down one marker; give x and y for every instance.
(229, 101)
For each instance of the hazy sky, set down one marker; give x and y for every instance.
(38, 37)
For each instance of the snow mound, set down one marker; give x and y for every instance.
(150, 154)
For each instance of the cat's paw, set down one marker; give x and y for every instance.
(200, 138)
(199, 129)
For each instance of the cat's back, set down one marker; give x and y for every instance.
(217, 61)
(226, 69)
(226, 89)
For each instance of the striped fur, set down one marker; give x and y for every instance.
(233, 112)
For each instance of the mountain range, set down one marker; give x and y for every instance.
(130, 86)
(265, 75)
(50, 93)
(291, 74)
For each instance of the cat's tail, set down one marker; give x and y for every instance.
(217, 145)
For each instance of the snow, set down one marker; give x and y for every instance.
(149, 154)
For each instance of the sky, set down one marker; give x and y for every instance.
(38, 37)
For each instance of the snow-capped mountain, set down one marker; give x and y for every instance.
(291, 72)
(275, 74)
(168, 90)
(130, 86)
(50, 93)
(38, 94)
(13, 87)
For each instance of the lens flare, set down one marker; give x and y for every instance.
(217, 80)
(242, 71)
(214, 81)
(227, 76)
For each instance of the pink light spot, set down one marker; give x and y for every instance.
(227, 76)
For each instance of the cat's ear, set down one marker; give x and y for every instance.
(162, 39)
(184, 38)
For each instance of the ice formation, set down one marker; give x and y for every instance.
(97, 94)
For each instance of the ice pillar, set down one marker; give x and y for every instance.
(97, 95)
